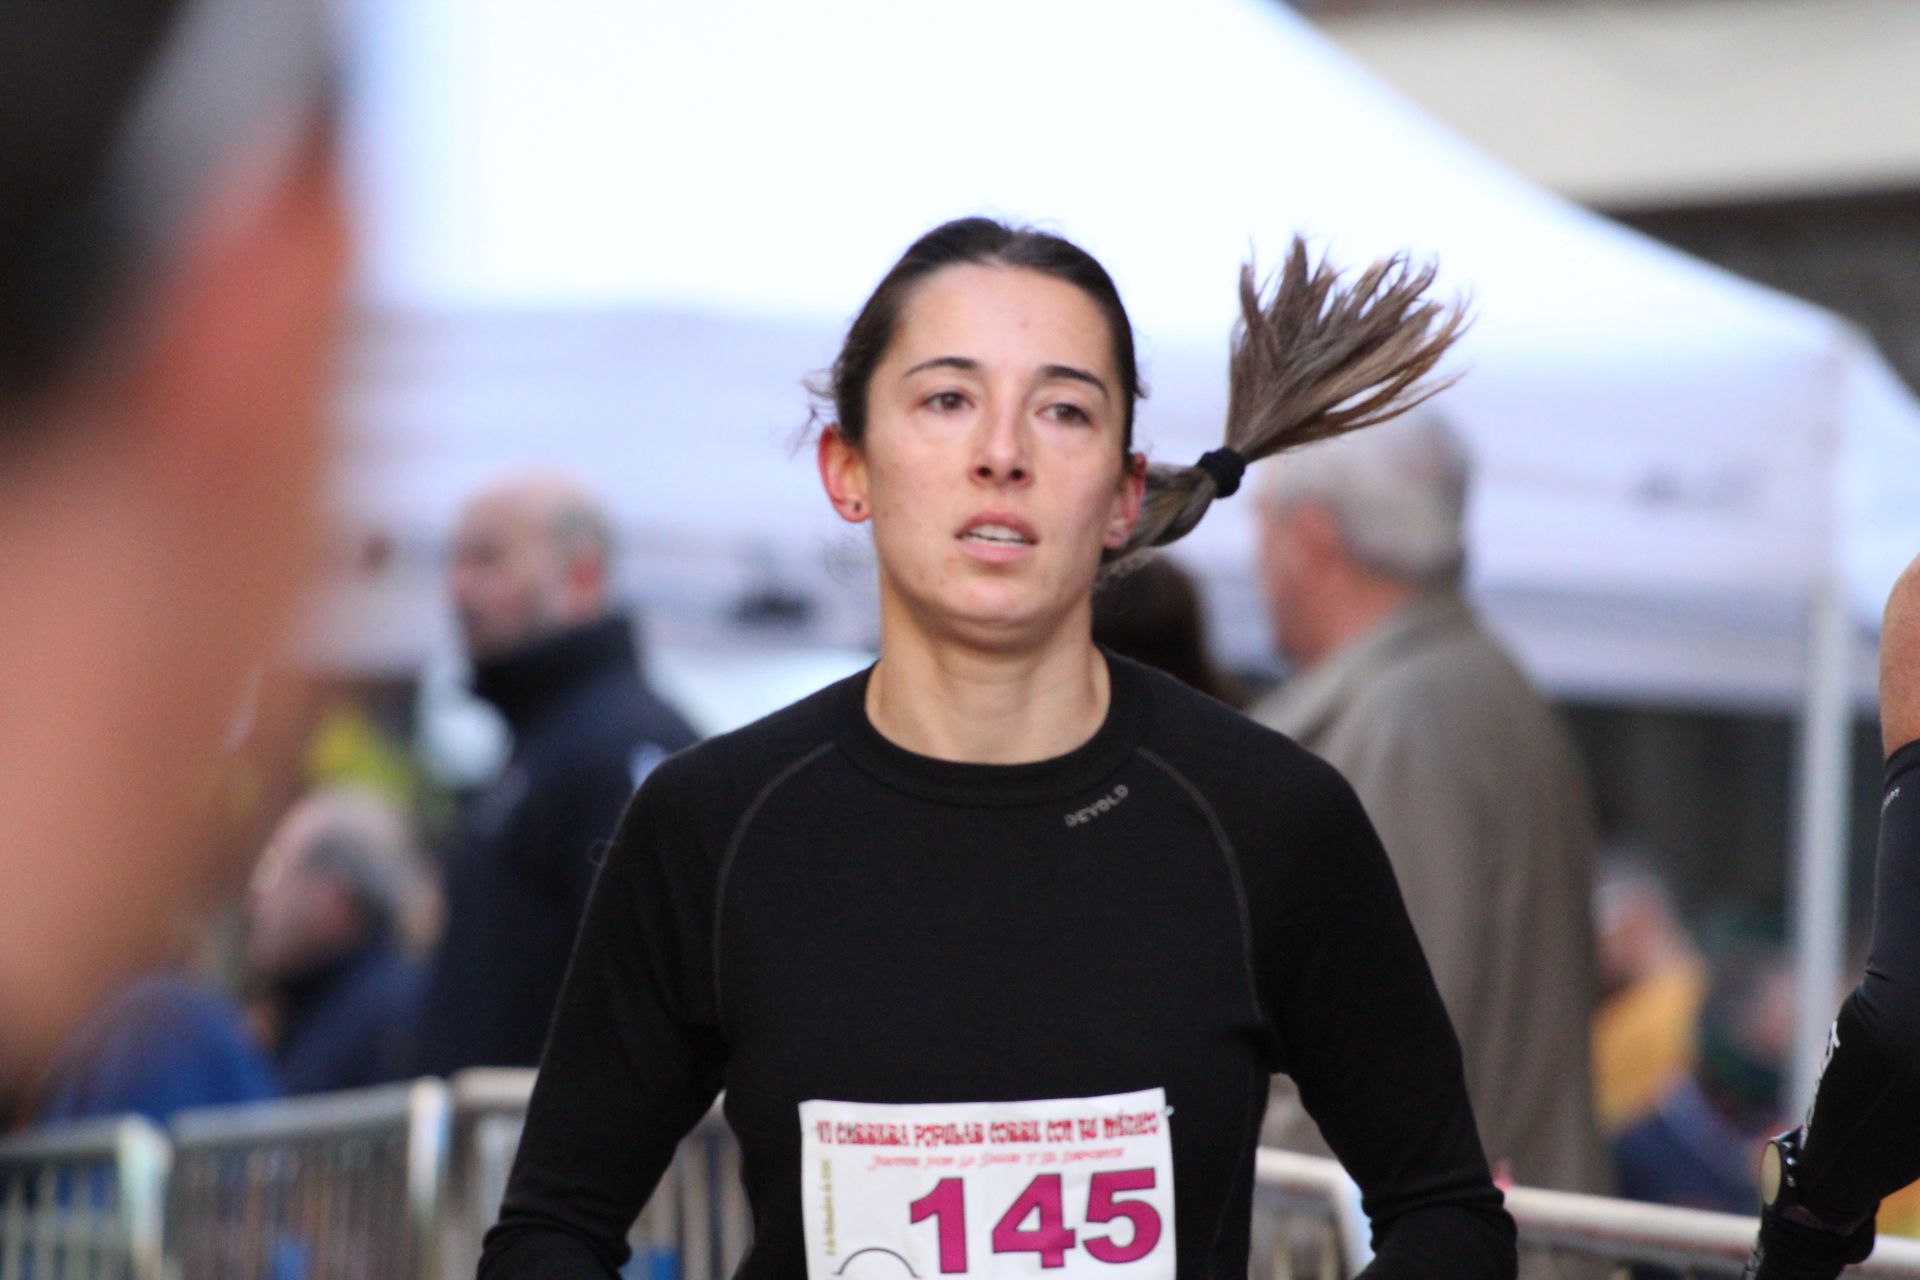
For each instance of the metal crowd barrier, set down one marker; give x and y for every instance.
(1631, 1236)
(1561, 1234)
(401, 1183)
(489, 1108)
(83, 1202)
(695, 1227)
(343, 1186)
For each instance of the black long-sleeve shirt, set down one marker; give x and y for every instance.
(1188, 902)
(1862, 1139)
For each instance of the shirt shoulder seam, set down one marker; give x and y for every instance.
(734, 842)
(1223, 844)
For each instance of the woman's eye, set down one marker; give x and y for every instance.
(946, 401)
(1065, 412)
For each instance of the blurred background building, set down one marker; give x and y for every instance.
(1777, 138)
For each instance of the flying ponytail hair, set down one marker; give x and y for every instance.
(1314, 360)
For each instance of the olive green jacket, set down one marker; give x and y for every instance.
(1481, 800)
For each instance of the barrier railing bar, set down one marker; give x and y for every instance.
(429, 1161)
(255, 1122)
(16, 1220)
(1661, 1234)
(145, 1159)
(1615, 1230)
(129, 1222)
(492, 1089)
(736, 1217)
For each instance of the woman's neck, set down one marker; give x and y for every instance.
(954, 702)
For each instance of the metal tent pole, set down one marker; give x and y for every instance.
(1819, 906)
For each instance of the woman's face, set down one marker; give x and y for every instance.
(992, 466)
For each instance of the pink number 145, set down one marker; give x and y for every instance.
(1050, 1237)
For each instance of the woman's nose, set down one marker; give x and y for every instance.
(1002, 451)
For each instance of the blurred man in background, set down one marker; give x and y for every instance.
(1473, 783)
(333, 902)
(172, 252)
(531, 588)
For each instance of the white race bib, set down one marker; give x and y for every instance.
(1064, 1188)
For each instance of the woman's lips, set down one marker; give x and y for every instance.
(997, 538)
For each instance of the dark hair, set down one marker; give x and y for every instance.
(69, 72)
(1312, 357)
(121, 116)
(976, 242)
(1152, 614)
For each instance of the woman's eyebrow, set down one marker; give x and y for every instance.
(1076, 375)
(965, 364)
(1049, 372)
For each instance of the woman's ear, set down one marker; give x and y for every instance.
(843, 473)
(1126, 502)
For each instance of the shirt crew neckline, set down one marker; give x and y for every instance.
(1903, 759)
(1005, 785)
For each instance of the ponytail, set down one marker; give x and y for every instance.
(1315, 360)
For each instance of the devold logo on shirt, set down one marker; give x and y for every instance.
(1098, 807)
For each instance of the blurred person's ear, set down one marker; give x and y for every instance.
(586, 581)
(153, 547)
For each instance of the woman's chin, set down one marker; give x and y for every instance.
(1007, 613)
(1007, 620)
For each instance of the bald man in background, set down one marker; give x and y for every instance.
(531, 591)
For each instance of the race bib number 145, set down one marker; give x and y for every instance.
(1064, 1188)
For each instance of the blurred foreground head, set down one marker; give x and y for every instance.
(171, 258)
(1351, 527)
(531, 558)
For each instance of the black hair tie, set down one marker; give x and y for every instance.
(1226, 466)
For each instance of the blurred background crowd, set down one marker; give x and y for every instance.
(1577, 635)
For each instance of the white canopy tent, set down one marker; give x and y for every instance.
(613, 236)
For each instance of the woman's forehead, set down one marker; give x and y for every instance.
(1002, 317)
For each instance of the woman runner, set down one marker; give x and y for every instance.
(994, 946)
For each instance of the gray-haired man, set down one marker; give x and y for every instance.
(1473, 783)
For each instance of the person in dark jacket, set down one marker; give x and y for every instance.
(531, 591)
(166, 1042)
(1699, 1148)
(328, 939)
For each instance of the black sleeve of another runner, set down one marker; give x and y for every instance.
(1863, 1134)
